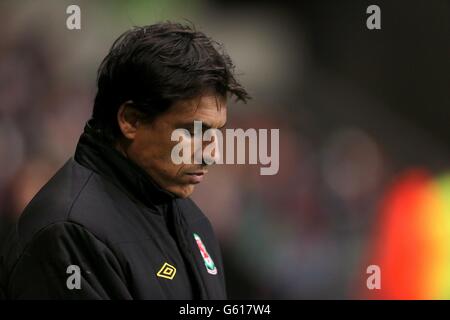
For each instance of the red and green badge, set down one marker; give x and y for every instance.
(209, 263)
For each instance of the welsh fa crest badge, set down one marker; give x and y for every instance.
(209, 263)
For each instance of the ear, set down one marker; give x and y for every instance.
(128, 120)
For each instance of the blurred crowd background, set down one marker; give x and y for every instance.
(364, 134)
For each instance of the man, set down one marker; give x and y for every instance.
(116, 221)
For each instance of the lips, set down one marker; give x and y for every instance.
(196, 177)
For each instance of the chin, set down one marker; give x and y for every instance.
(183, 192)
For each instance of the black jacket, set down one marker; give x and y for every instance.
(130, 239)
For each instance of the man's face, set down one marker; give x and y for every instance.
(151, 145)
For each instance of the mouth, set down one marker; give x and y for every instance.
(196, 177)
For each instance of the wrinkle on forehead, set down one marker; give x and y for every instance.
(211, 109)
(219, 100)
(192, 106)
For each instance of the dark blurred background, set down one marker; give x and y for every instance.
(364, 134)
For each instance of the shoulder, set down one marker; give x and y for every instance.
(79, 196)
(54, 201)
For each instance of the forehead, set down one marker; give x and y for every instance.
(208, 108)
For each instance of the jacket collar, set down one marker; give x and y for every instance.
(97, 153)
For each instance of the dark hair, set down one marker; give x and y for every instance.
(157, 65)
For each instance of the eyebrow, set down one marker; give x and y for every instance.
(205, 125)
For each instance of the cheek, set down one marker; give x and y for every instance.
(161, 160)
(154, 145)
(153, 148)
